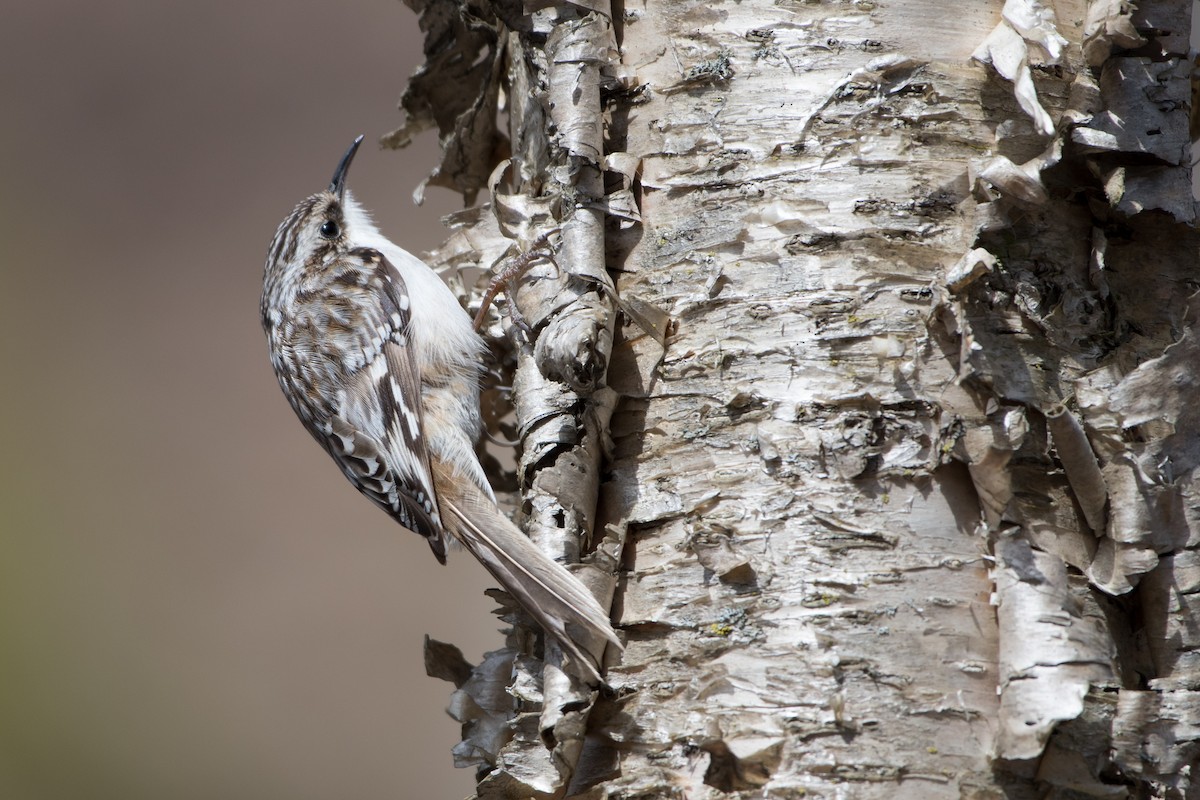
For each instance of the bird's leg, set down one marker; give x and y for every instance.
(509, 271)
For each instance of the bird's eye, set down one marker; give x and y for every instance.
(330, 229)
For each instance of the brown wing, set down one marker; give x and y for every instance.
(376, 435)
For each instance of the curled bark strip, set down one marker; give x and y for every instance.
(1081, 466)
(1049, 654)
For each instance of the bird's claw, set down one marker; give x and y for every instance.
(511, 269)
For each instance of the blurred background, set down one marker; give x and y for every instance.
(193, 602)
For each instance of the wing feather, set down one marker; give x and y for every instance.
(376, 435)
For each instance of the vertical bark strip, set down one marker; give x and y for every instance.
(559, 392)
(553, 178)
(904, 457)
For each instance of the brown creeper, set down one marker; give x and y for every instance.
(382, 366)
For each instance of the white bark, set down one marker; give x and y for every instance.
(902, 492)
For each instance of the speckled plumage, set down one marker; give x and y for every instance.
(382, 366)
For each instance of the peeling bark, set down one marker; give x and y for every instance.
(867, 361)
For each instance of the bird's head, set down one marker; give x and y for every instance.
(320, 226)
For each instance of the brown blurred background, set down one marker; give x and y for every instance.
(193, 602)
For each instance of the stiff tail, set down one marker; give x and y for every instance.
(544, 588)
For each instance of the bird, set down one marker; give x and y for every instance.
(383, 366)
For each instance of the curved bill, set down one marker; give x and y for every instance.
(338, 184)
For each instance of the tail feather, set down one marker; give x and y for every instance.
(553, 596)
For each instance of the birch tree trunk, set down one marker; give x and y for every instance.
(867, 367)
